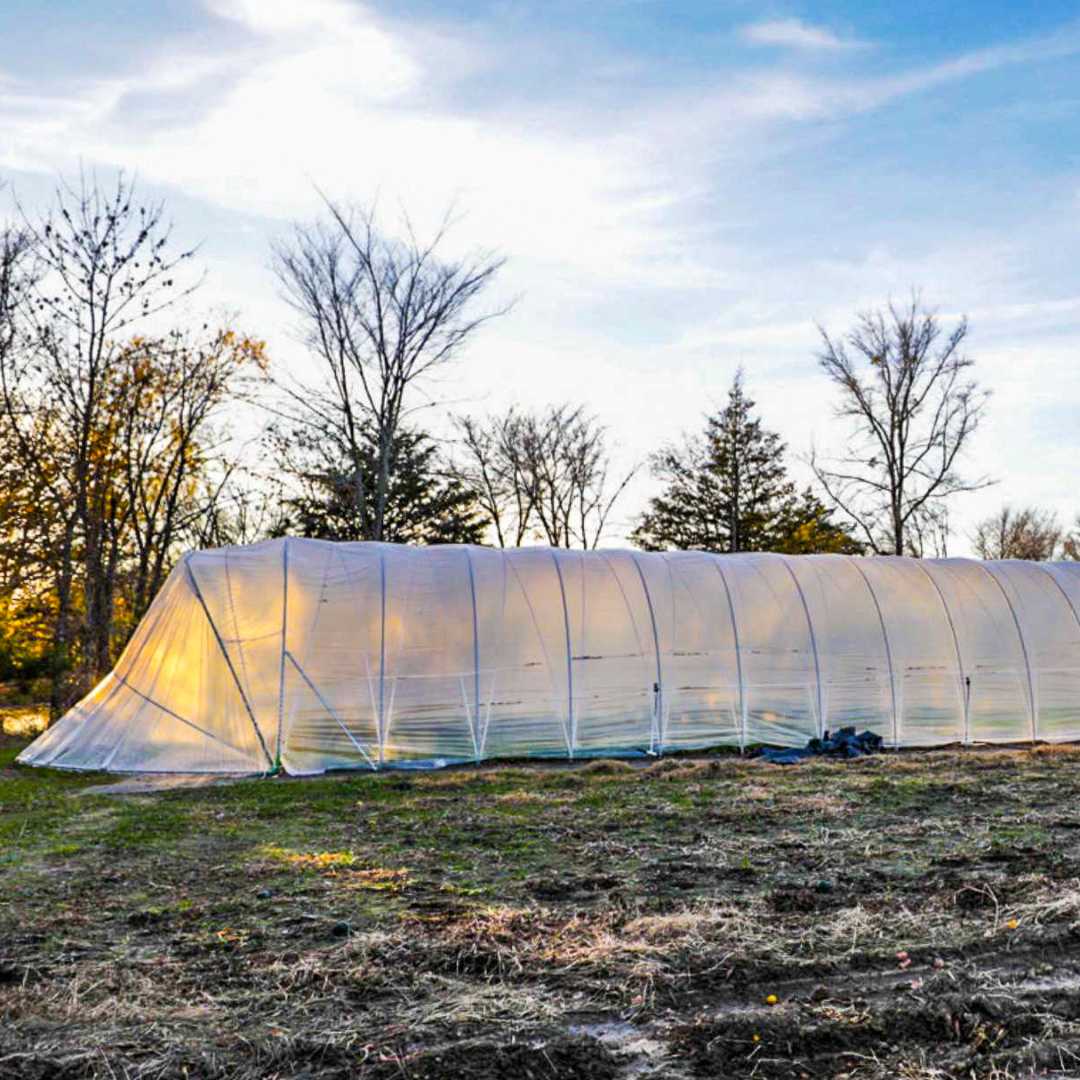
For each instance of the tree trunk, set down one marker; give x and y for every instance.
(58, 688)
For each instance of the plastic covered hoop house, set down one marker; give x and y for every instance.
(311, 656)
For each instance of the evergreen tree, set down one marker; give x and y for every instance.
(728, 490)
(423, 506)
(804, 526)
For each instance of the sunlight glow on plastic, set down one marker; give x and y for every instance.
(308, 656)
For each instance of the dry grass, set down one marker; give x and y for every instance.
(913, 916)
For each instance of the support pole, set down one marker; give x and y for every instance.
(813, 646)
(738, 655)
(228, 661)
(1033, 706)
(658, 697)
(475, 720)
(284, 624)
(382, 657)
(965, 683)
(888, 651)
(503, 559)
(571, 720)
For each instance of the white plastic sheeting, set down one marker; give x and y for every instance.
(315, 656)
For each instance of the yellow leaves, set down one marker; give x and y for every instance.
(378, 879)
(250, 351)
(319, 860)
(233, 937)
(346, 867)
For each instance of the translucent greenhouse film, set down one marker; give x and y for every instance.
(308, 656)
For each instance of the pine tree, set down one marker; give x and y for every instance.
(423, 505)
(728, 490)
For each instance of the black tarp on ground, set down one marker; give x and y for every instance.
(845, 743)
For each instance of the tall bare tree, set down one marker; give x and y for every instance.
(25, 535)
(1025, 533)
(492, 463)
(381, 314)
(169, 397)
(103, 265)
(546, 474)
(18, 272)
(905, 385)
(107, 432)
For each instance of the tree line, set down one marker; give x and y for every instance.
(121, 410)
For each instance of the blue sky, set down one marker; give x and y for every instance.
(680, 187)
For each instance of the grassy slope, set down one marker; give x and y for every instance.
(549, 922)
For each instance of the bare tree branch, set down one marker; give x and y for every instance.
(380, 314)
(546, 475)
(1027, 533)
(905, 386)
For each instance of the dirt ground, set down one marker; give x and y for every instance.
(904, 916)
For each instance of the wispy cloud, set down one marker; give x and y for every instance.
(796, 34)
(645, 211)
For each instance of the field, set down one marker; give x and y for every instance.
(911, 915)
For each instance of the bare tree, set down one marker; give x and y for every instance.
(491, 463)
(906, 386)
(103, 266)
(544, 474)
(18, 272)
(928, 531)
(24, 532)
(381, 314)
(1070, 542)
(1027, 533)
(169, 398)
(236, 508)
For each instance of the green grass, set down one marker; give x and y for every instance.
(418, 925)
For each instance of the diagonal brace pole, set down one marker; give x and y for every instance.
(228, 661)
(330, 711)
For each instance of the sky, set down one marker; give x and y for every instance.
(680, 188)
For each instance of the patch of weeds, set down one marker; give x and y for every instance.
(63, 850)
(906, 915)
(146, 823)
(561, 780)
(317, 860)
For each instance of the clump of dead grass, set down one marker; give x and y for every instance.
(608, 767)
(680, 769)
(526, 797)
(1055, 750)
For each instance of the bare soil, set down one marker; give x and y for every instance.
(913, 915)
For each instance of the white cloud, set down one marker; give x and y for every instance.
(329, 95)
(636, 299)
(795, 34)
